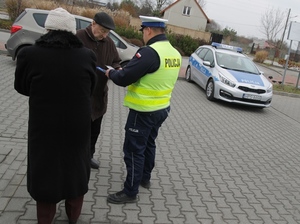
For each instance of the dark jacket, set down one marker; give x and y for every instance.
(139, 65)
(106, 54)
(58, 74)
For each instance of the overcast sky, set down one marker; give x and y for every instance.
(244, 15)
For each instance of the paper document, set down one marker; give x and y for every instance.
(109, 67)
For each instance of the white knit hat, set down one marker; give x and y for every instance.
(60, 19)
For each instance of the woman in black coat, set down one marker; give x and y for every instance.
(58, 74)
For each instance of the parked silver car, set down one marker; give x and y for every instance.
(30, 25)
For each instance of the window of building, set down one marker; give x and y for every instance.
(186, 10)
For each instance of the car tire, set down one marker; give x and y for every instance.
(210, 90)
(188, 74)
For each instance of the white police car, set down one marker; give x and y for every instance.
(227, 74)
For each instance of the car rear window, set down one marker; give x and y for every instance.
(40, 18)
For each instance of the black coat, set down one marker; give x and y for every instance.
(58, 74)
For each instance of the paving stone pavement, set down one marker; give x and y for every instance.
(216, 162)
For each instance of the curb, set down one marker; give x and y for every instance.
(269, 67)
(295, 95)
(5, 30)
(3, 52)
(280, 92)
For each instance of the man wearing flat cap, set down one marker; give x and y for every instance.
(150, 76)
(95, 37)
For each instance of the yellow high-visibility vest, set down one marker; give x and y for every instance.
(153, 91)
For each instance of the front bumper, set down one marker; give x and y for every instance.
(251, 97)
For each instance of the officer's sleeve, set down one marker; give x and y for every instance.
(145, 61)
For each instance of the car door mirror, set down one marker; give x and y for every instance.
(207, 63)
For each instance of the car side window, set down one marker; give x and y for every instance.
(202, 53)
(198, 50)
(117, 41)
(209, 57)
(81, 24)
(40, 19)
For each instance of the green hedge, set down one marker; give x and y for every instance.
(129, 33)
(5, 24)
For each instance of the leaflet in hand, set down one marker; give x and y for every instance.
(109, 67)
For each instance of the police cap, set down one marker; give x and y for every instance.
(149, 21)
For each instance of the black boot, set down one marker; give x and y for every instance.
(145, 184)
(120, 198)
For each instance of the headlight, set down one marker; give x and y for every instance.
(270, 89)
(226, 81)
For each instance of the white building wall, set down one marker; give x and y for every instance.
(196, 20)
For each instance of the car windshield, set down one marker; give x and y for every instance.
(236, 62)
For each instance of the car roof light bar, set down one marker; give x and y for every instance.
(227, 47)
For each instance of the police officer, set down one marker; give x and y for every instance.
(150, 77)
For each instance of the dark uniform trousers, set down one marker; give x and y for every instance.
(139, 148)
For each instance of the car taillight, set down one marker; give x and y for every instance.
(15, 28)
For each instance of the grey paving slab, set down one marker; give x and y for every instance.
(216, 162)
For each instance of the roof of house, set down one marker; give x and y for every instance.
(208, 20)
(263, 43)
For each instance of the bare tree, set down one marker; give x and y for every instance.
(272, 23)
(160, 4)
(156, 5)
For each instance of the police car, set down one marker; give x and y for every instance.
(225, 73)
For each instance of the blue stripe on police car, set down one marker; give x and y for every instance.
(200, 67)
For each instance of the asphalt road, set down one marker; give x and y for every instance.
(216, 162)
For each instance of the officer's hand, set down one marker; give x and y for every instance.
(107, 73)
